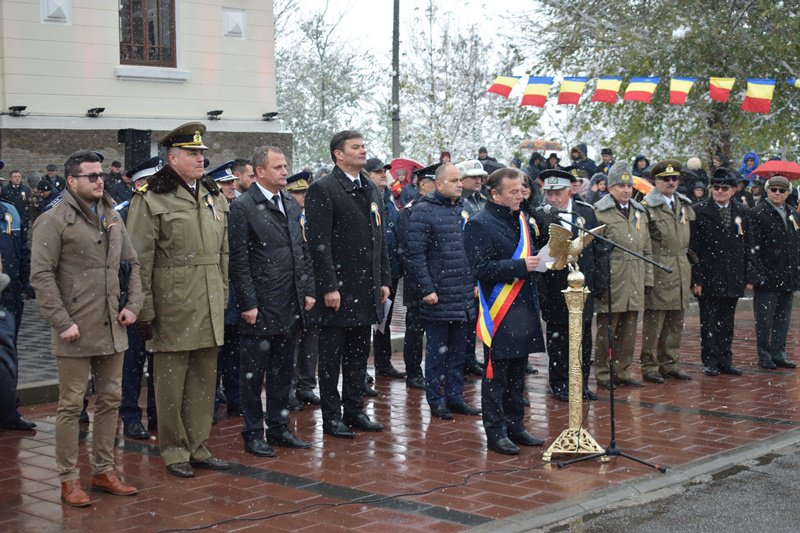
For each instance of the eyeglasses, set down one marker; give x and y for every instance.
(92, 177)
(721, 187)
(668, 178)
(777, 190)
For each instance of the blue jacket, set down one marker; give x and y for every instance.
(743, 170)
(390, 213)
(437, 259)
(491, 238)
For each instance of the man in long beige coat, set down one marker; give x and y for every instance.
(670, 214)
(75, 263)
(178, 226)
(626, 224)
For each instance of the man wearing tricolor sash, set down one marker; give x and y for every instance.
(498, 241)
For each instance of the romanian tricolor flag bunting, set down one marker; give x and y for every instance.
(607, 89)
(720, 88)
(537, 91)
(679, 89)
(640, 89)
(571, 90)
(759, 95)
(794, 82)
(503, 85)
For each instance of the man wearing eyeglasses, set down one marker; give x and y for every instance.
(77, 248)
(669, 217)
(721, 244)
(777, 263)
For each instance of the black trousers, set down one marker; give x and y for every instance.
(382, 342)
(132, 367)
(716, 330)
(470, 357)
(304, 377)
(773, 311)
(228, 359)
(412, 342)
(558, 355)
(345, 350)
(501, 398)
(270, 357)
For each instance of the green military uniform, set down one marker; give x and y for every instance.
(628, 278)
(182, 244)
(666, 302)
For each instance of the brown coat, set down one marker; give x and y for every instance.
(75, 260)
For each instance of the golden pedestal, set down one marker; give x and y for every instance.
(574, 439)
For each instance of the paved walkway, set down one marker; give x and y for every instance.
(419, 474)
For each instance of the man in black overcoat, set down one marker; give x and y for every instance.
(345, 235)
(721, 252)
(776, 232)
(272, 276)
(592, 262)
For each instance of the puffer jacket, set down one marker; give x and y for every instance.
(438, 260)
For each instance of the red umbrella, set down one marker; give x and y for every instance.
(787, 169)
(409, 165)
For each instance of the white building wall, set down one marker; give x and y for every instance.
(64, 69)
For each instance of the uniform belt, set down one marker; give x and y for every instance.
(188, 261)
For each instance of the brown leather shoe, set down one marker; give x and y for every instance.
(110, 482)
(630, 382)
(72, 494)
(678, 374)
(653, 377)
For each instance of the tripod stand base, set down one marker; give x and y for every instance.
(572, 441)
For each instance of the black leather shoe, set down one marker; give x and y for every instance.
(259, 448)
(370, 378)
(294, 404)
(504, 446)
(653, 377)
(525, 439)
(84, 418)
(135, 430)
(732, 370)
(369, 391)
(152, 425)
(440, 411)
(287, 440)
(212, 463)
(711, 371)
(473, 369)
(234, 411)
(20, 423)
(783, 363)
(307, 396)
(589, 395)
(530, 370)
(337, 428)
(561, 395)
(363, 423)
(678, 374)
(391, 372)
(767, 363)
(464, 409)
(416, 382)
(181, 469)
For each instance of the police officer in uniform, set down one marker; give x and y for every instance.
(178, 226)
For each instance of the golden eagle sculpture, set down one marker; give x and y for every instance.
(564, 249)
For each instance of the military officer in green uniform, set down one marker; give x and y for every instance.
(178, 226)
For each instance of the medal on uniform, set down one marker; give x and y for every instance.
(638, 217)
(794, 222)
(683, 214)
(9, 219)
(738, 222)
(210, 203)
(376, 212)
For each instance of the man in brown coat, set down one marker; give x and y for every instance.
(75, 260)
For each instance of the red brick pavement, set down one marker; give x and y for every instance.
(419, 474)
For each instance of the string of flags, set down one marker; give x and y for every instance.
(758, 97)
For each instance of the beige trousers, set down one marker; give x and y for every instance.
(73, 372)
(623, 330)
(185, 384)
(661, 340)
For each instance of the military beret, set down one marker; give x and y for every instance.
(620, 173)
(668, 167)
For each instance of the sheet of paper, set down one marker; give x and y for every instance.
(386, 306)
(544, 258)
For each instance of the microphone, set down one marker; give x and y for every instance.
(547, 209)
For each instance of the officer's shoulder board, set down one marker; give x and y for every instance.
(141, 189)
(585, 204)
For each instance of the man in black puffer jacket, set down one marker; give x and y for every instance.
(440, 269)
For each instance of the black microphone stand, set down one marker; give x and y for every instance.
(612, 450)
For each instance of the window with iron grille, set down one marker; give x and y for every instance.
(147, 33)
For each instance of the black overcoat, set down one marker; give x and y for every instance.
(268, 265)
(346, 242)
(777, 248)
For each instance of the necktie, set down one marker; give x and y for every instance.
(725, 215)
(277, 201)
(625, 211)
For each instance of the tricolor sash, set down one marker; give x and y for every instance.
(492, 311)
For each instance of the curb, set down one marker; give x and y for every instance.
(649, 488)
